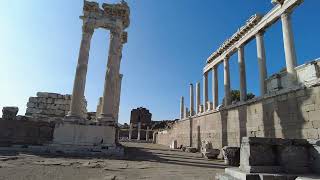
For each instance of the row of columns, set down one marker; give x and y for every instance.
(139, 132)
(112, 87)
(291, 62)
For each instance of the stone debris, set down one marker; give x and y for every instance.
(51, 105)
(93, 164)
(231, 155)
(9, 113)
(8, 158)
(6, 165)
(208, 152)
(191, 149)
(55, 162)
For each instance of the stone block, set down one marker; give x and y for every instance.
(294, 159)
(53, 95)
(316, 124)
(31, 105)
(314, 115)
(231, 155)
(33, 99)
(9, 113)
(315, 157)
(42, 94)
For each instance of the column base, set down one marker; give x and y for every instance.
(74, 119)
(106, 120)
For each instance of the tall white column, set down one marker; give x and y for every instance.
(112, 74)
(215, 93)
(191, 100)
(198, 100)
(117, 98)
(242, 74)
(182, 108)
(205, 91)
(81, 72)
(289, 48)
(139, 131)
(261, 53)
(186, 112)
(227, 93)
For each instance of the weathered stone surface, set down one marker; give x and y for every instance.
(295, 159)
(231, 155)
(191, 149)
(9, 113)
(51, 105)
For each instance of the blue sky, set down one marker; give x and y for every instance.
(169, 41)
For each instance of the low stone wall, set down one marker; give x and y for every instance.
(51, 105)
(291, 114)
(25, 132)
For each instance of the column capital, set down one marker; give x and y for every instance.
(260, 33)
(226, 58)
(286, 14)
(88, 28)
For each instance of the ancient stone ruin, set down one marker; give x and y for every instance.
(61, 122)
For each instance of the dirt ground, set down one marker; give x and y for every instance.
(142, 161)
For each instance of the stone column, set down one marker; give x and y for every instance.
(215, 93)
(117, 98)
(147, 134)
(81, 72)
(205, 91)
(130, 131)
(289, 48)
(227, 93)
(139, 131)
(198, 101)
(186, 113)
(182, 108)
(191, 100)
(262, 63)
(112, 74)
(242, 75)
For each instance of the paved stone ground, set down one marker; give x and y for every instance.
(143, 161)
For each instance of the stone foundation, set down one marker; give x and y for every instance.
(25, 132)
(84, 135)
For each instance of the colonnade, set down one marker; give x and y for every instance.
(139, 132)
(228, 50)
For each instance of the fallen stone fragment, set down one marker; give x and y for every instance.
(191, 149)
(231, 155)
(93, 164)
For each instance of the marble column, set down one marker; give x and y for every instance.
(186, 112)
(261, 53)
(227, 92)
(215, 93)
(182, 108)
(191, 100)
(139, 131)
(112, 74)
(289, 48)
(130, 131)
(147, 134)
(205, 91)
(117, 98)
(198, 101)
(242, 74)
(81, 72)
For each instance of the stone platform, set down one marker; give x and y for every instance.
(237, 174)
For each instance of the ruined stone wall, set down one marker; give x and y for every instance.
(291, 114)
(51, 105)
(25, 132)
